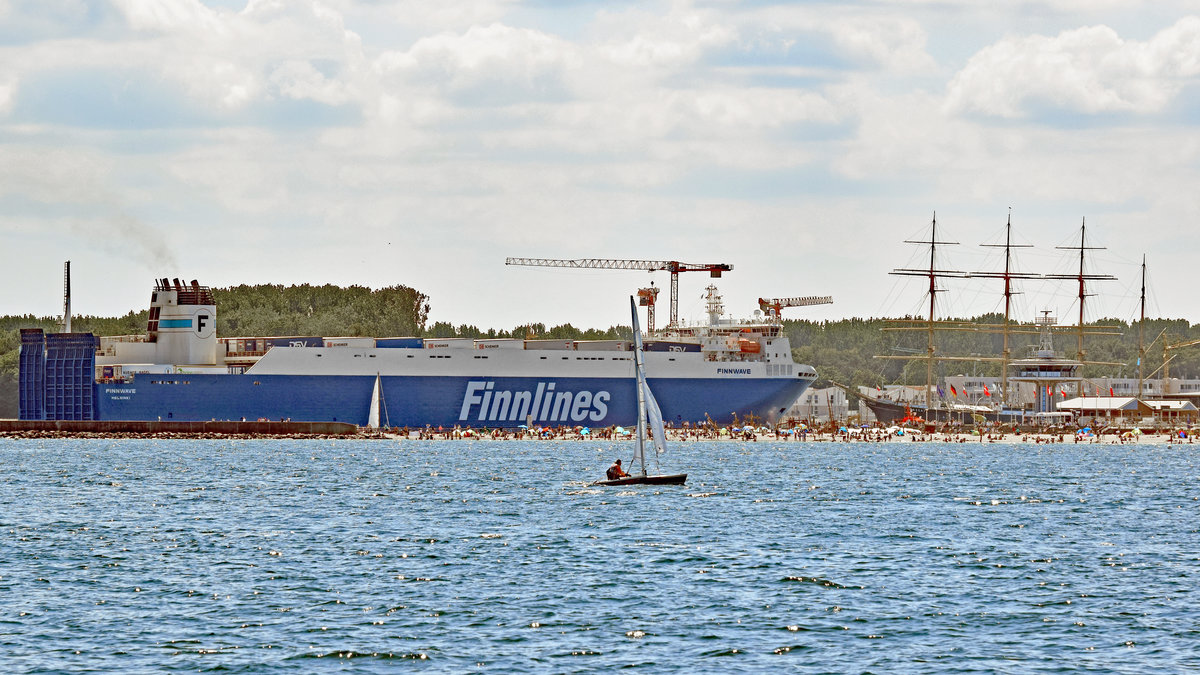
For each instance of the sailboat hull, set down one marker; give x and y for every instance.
(671, 479)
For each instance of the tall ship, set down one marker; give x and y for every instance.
(182, 370)
(1043, 368)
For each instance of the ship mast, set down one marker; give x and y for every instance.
(1142, 333)
(932, 273)
(1008, 275)
(1082, 278)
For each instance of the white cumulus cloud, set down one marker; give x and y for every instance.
(492, 61)
(1087, 70)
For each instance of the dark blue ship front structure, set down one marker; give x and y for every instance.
(57, 375)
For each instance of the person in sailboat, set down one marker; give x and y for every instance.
(615, 471)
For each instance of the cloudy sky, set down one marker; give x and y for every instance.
(380, 142)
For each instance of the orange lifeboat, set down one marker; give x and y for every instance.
(749, 346)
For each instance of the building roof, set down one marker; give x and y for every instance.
(1111, 403)
(1177, 406)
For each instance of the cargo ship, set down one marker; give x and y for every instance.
(719, 372)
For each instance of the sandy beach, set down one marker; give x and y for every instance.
(679, 436)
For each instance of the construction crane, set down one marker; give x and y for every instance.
(773, 306)
(1167, 357)
(647, 298)
(673, 266)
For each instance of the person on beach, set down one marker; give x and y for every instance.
(615, 471)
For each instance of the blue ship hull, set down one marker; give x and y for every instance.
(417, 401)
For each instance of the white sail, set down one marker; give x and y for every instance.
(643, 395)
(373, 415)
(654, 417)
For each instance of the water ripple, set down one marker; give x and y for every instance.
(289, 556)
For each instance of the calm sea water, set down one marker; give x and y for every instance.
(375, 556)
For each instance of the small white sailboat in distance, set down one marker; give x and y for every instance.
(648, 414)
(373, 411)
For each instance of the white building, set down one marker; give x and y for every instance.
(818, 404)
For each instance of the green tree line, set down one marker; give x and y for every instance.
(842, 351)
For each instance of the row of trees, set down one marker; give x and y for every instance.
(842, 351)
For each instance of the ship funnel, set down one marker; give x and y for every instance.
(67, 297)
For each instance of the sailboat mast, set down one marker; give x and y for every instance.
(641, 422)
(640, 379)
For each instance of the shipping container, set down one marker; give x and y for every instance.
(399, 343)
(667, 346)
(564, 345)
(507, 343)
(358, 342)
(449, 343)
(296, 342)
(603, 345)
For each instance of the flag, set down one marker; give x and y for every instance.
(1110, 392)
(953, 391)
(941, 394)
(985, 391)
(1048, 392)
(1097, 391)
(878, 389)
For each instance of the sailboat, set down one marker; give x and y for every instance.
(376, 400)
(649, 415)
